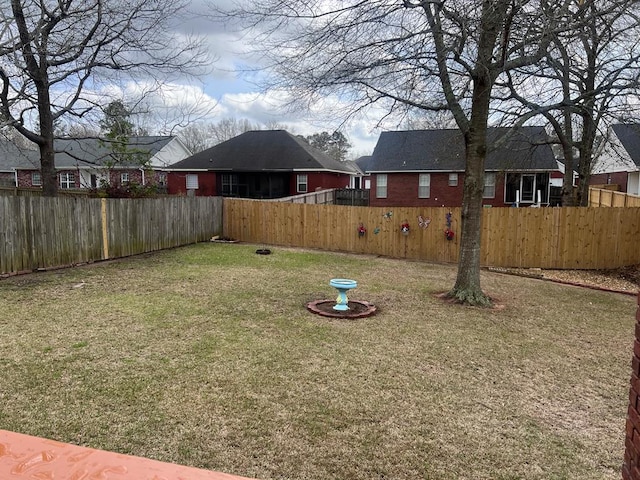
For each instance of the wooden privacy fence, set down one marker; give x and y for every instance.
(37, 232)
(566, 238)
(599, 197)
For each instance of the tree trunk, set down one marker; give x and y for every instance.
(47, 152)
(48, 170)
(467, 288)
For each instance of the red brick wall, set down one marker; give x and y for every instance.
(24, 177)
(631, 467)
(616, 178)
(402, 191)
(177, 183)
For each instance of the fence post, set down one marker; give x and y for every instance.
(631, 466)
(105, 229)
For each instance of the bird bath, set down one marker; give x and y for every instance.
(343, 285)
(342, 307)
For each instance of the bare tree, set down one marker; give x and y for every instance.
(589, 78)
(333, 144)
(54, 54)
(200, 136)
(430, 55)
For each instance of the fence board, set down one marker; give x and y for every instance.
(567, 238)
(37, 232)
(605, 197)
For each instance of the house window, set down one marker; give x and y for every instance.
(302, 183)
(453, 179)
(67, 180)
(36, 179)
(124, 178)
(192, 181)
(489, 185)
(424, 185)
(229, 185)
(381, 185)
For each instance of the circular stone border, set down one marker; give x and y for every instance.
(325, 309)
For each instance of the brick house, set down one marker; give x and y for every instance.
(259, 164)
(88, 162)
(618, 162)
(13, 160)
(426, 168)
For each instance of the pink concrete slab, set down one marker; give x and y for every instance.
(33, 458)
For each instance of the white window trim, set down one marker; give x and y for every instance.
(381, 185)
(124, 178)
(453, 179)
(492, 185)
(191, 181)
(67, 180)
(302, 183)
(35, 175)
(424, 185)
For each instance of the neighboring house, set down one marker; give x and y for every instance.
(12, 160)
(618, 162)
(259, 164)
(426, 168)
(88, 162)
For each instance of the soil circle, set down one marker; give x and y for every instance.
(357, 309)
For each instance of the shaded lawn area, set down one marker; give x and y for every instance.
(206, 356)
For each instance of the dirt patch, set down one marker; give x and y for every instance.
(623, 279)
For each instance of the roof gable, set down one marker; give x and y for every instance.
(629, 136)
(526, 148)
(262, 150)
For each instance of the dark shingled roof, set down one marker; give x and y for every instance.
(13, 157)
(526, 148)
(262, 150)
(629, 136)
(72, 152)
(364, 162)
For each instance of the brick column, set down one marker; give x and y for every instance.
(631, 467)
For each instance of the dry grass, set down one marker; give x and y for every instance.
(206, 356)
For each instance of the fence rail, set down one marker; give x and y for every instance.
(37, 192)
(37, 232)
(553, 237)
(321, 197)
(605, 197)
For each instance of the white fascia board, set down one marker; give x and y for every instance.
(414, 171)
(315, 170)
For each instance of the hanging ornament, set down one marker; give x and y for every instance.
(405, 228)
(362, 231)
(448, 233)
(423, 222)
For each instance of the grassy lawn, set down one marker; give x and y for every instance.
(206, 356)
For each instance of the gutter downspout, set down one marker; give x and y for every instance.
(15, 176)
(144, 182)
